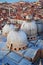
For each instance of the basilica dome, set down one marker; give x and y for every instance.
(17, 39)
(30, 28)
(7, 28)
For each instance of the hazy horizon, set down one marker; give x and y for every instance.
(17, 0)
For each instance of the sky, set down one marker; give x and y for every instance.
(17, 0)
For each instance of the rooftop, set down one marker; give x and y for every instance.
(20, 57)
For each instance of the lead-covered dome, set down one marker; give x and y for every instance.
(17, 39)
(6, 29)
(29, 28)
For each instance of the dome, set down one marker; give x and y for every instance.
(39, 24)
(29, 28)
(17, 39)
(6, 29)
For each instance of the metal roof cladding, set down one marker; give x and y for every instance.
(25, 62)
(20, 57)
(12, 61)
(31, 52)
(40, 44)
(15, 56)
(3, 39)
(18, 39)
(3, 53)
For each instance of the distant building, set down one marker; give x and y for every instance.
(41, 0)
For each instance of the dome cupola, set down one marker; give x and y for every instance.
(16, 40)
(30, 28)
